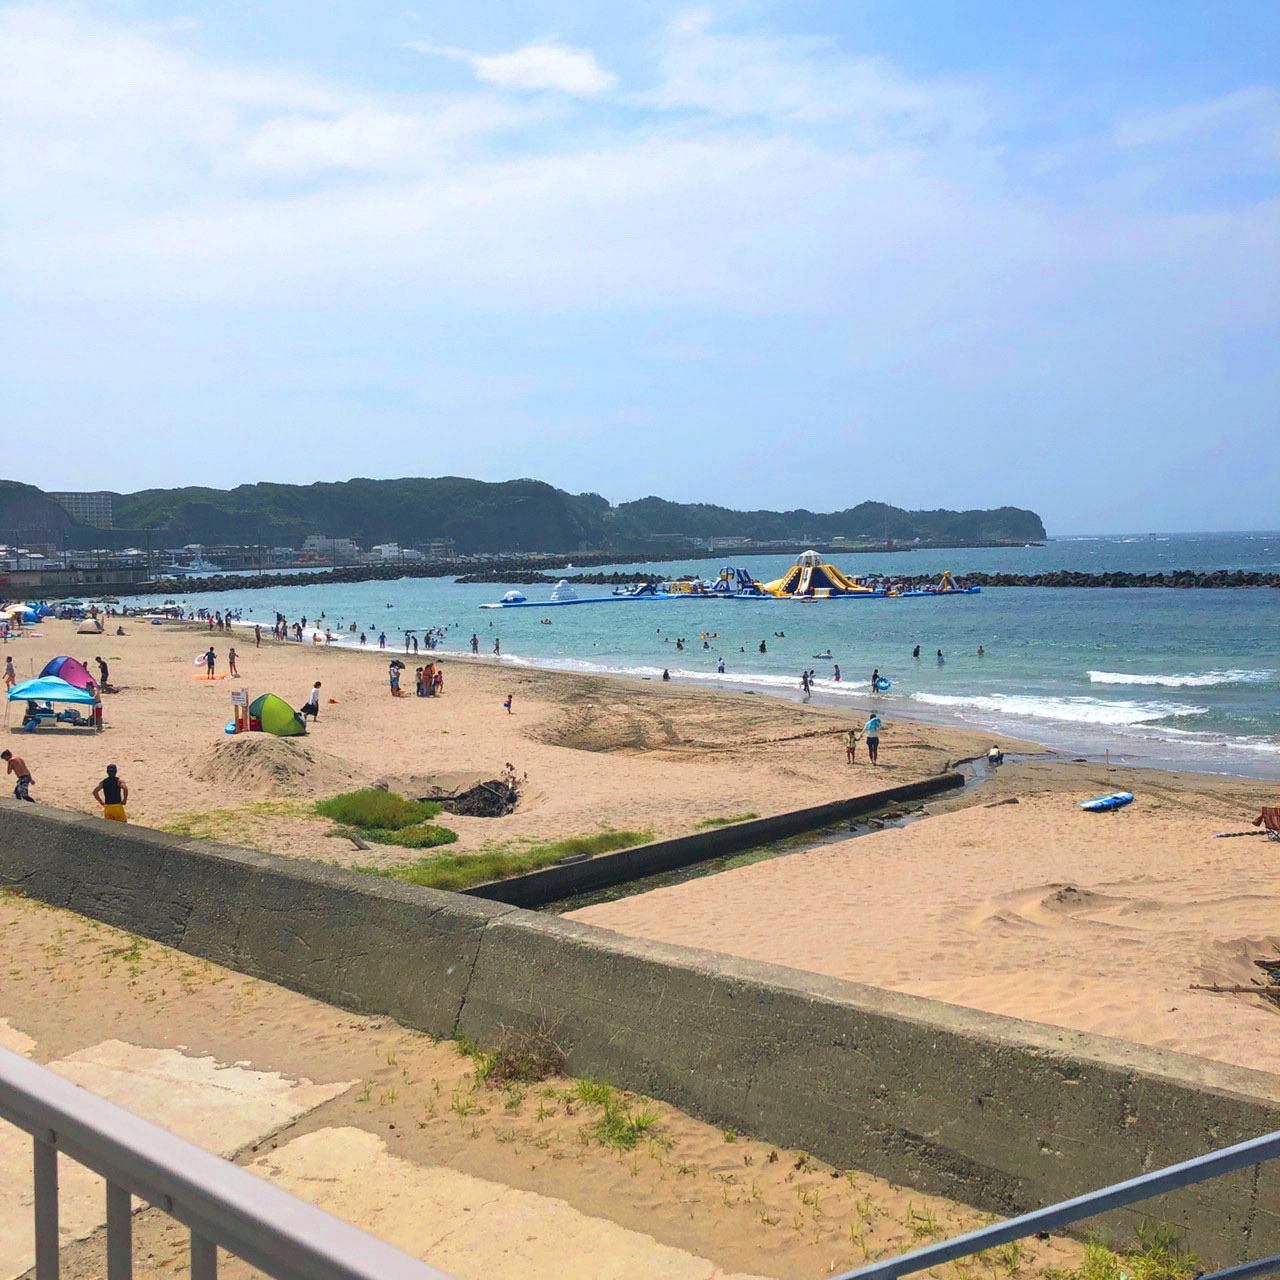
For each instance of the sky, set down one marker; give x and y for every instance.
(773, 255)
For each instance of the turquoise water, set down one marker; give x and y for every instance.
(1189, 679)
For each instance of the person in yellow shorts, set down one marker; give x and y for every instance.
(112, 793)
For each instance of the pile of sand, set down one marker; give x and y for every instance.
(266, 763)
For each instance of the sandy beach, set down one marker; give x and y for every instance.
(1033, 908)
(1099, 922)
(598, 753)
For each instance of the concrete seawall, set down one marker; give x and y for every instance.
(1000, 1113)
(553, 883)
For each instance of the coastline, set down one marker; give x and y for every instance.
(1033, 907)
(1225, 758)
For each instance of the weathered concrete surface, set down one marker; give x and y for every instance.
(997, 1112)
(537, 888)
(367, 944)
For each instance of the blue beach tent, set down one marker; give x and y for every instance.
(50, 689)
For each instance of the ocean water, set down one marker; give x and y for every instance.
(1186, 679)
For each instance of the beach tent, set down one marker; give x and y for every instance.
(276, 716)
(23, 613)
(90, 627)
(51, 689)
(72, 670)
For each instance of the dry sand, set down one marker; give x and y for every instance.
(392, 1131)
(597, 753)
(1098, 922)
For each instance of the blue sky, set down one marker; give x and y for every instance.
(772, 255)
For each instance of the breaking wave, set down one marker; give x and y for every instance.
(1195, 680)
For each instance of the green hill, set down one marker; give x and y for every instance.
(514, 515)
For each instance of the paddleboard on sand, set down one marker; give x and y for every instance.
(1102, 804)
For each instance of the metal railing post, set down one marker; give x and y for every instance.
(45, 1170)
(119, 1233)
(204, 1258)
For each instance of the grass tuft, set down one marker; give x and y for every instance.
(372, 809)
(462, 870)
(726, 820)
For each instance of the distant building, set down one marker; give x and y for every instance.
(87, 508)
(342, 548)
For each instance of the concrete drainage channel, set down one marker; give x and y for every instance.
(610, 876)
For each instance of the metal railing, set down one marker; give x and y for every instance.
(221, 1204)
(1054, 1216)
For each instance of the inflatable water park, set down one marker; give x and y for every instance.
(810, 578)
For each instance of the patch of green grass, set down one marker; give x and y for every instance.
(228, 824)
(726, 820)
(461, 870)
(621, 1128)
(372, 809)
(425, 836)
(595, 1093)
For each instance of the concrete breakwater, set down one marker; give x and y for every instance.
(990, 1110)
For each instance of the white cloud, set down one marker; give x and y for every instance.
(803, 80)
(542, 64)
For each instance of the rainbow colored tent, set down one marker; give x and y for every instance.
(72, 670)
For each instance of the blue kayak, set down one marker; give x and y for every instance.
(1103, 804)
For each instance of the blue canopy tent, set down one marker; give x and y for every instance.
(48, 690)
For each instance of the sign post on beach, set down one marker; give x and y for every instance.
(240, 709)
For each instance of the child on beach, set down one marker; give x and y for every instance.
(22, 775)
(231, 662)
(312, 705)
(851, 745)
(112, 793)
(210, 661)
(10, 675)
(509, 700)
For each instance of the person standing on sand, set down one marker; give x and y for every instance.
(312, 705)
(804, 684)
(382, 639)
(22, 775)
(393, 674)
(112, 793)
(10, 675)
(210, 662)
(257, 635)
(231, 662)
(851, 745)
(511, 697)
(872, 731)
(103, 672)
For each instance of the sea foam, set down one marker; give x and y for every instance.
(1194, 680)
(1064, 709)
